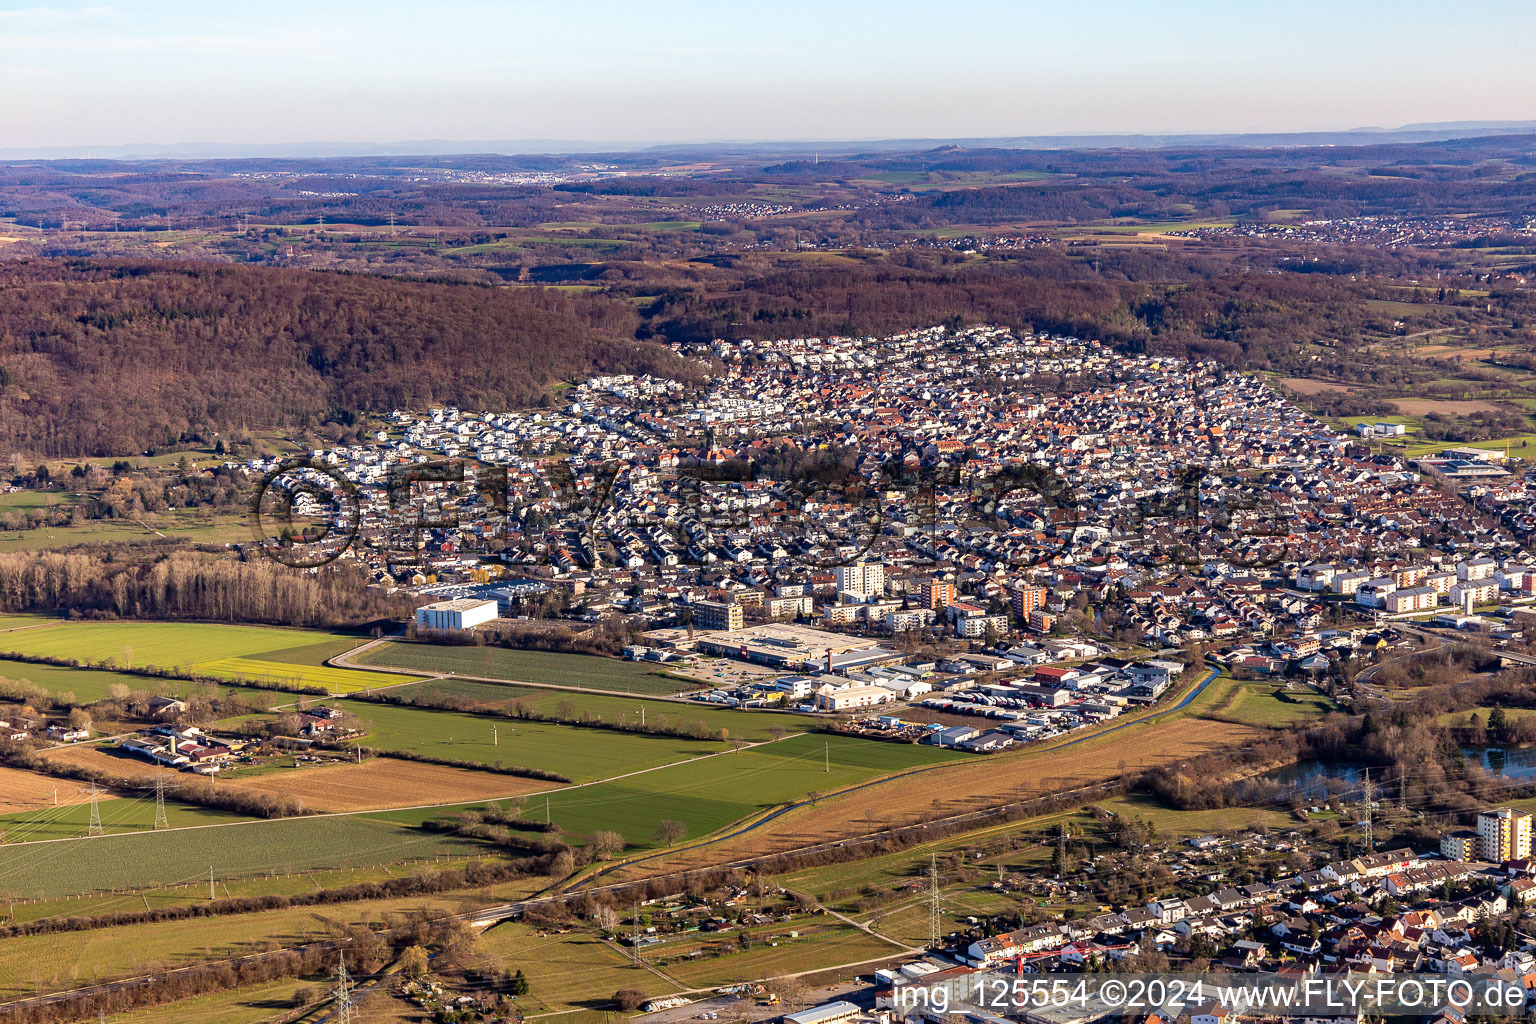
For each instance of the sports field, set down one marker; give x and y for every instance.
(584, 670)
(293, 657)
(752, 725)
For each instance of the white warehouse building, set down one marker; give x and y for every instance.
(460, 613)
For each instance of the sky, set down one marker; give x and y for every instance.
(275, 71)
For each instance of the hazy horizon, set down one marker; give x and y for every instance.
(161, 73)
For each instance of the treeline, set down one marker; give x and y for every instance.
(501, 835)
(108, 357)
(1414, 753)
(199, 792)
(174, 584)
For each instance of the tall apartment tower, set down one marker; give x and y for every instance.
(1504, 834)
(866, 579)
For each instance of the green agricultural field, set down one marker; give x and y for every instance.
(90, 684)
(707, 795)
(524, 667)
(258, 653)
(187, 893)
(48, 869)
(751, 725)
(582, 755)
(21, 621)
(118, 814)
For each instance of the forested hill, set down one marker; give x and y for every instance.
(111, 357)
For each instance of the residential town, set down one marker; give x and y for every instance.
(920, 527)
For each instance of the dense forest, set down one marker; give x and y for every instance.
(111, 357)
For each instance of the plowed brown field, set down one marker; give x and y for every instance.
(23, 791)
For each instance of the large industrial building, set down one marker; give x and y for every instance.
(460, 613)
(796, 648)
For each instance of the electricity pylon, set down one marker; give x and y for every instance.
(342, 994)
(161, 821)
(94, 828)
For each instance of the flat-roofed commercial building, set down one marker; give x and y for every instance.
(460, 613)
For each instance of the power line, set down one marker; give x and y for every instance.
(935, 903)
(342, 993)
(94, 828)
(161, 821)
(1365, 784)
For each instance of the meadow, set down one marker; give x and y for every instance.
(546, 667)
(65, 960)
(256, 1004)
(1260, 703)
(751, 725)
(580, 754)
(191, 891)
(198, 525)
(87, 684)
(72, 817)
(292, 657)
(47, 869)
(565, 972)
(707, 795)
(823, 949)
